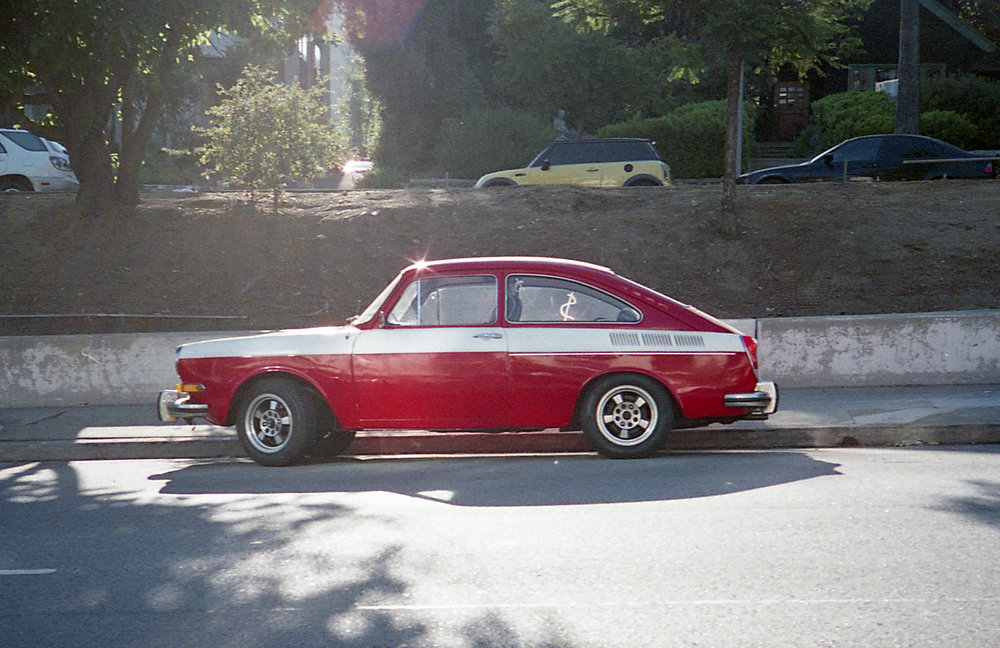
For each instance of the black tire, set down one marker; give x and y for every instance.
(644, 182)
(773, 180)
(499, 182)
(277, 420)
(333, 444)
(626, 416)
(14, 185)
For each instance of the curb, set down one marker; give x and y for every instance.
(545, 442)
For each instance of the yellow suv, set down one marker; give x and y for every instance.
(608, 162)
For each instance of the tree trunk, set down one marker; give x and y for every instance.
(92, 164)
(908, 97)
(729, 224)
(134, 143)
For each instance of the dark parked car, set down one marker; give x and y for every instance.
(882, 157)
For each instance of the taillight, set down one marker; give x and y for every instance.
(751, 344)
(989, 168)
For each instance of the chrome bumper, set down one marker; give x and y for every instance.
(761, 402)
(173, 405)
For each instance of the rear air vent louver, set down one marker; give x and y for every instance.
(688, 340)
(624, 339)
(657, 339)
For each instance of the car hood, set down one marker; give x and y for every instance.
(785, 168)
(312, 341)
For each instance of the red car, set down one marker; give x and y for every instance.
(480, 344)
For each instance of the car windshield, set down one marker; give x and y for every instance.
(370, 312)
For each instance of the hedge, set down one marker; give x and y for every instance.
(691, 139)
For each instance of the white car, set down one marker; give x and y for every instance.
(30, 163)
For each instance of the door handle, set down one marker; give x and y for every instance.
(488, 336)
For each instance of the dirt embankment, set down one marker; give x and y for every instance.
(187, 262)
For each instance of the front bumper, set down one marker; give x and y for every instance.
(172, 405)
(761, 402)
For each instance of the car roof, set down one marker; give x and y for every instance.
(586, 140)
(509, 263)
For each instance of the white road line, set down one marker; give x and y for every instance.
(718, 602)
(26, 572)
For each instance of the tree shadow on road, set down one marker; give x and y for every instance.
(122, 565)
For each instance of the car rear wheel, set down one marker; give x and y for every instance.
(14, 185)
(627, 416)
(276, 422)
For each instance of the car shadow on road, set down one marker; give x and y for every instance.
(513, 481)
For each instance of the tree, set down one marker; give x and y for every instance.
(266, 135)
(92, 60)
(908, 97)
(426, 61)
(795, 33)
(545, 65)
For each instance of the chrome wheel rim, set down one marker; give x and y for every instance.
(268, 423)
(627, 415)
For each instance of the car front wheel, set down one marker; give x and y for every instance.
(277, 421)
(499, 182)
(627, 416)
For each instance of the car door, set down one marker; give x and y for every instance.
(560, 335)
(854, 159)
(439, 361)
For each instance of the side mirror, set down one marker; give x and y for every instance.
(828, 160)
(546, 165)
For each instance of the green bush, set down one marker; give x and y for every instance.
(844, 115)
(949, 126)
(490, 139)
(266, 135)
(975, 98)
(691, 138)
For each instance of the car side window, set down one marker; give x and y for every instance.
(541, 299)
(865, 150)
(447, 301)
(563, 154)
(27, 141)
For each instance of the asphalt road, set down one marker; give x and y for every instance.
(848, 547)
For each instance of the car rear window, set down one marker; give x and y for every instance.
(26, 140)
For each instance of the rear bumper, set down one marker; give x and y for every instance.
(761, 402)
(172, 405)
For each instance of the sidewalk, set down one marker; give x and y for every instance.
(814, 417)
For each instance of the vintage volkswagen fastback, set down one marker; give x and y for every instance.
(480, 344)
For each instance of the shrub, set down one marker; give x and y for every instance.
(844, 115)
(691, 138)
(265, 135)
(490, 139)
(949, 126)
(976, 98)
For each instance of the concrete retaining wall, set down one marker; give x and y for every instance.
(871, 350)
(952, 348)
(116, 369)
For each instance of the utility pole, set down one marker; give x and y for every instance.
(908, 93)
